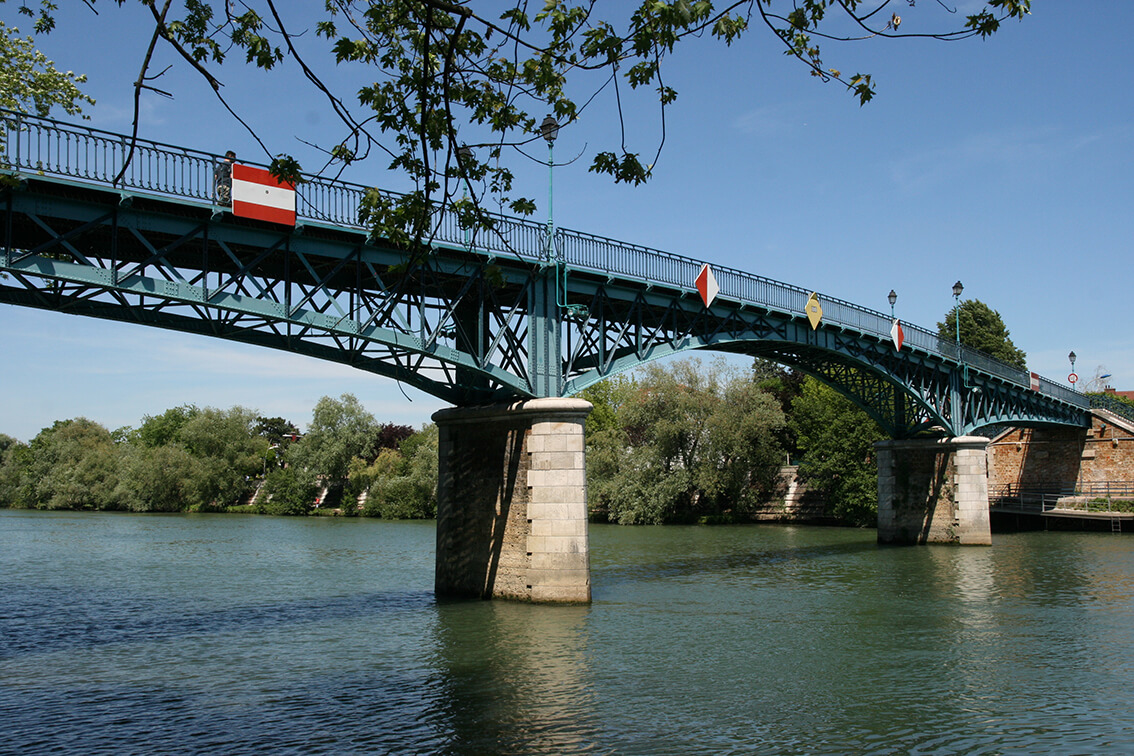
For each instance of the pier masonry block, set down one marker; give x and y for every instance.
(933, 491)
(512, 502)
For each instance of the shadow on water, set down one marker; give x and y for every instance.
(85, 618)
(744, 558)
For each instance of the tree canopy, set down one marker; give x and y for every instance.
(457, 93)
(206, 459)
(30, 83)
(680, 443)
(982, 329)
(836, 444)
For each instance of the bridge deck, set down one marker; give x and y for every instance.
(469, 319)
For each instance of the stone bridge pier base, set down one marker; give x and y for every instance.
(933, 491)
(512, 502)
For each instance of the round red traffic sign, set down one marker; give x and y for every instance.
(1072, 378)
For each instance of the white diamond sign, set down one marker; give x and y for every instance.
(707, 285)
(898, 335)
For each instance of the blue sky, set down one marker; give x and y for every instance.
(1006, 163)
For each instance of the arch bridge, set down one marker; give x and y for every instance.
(516, 317)
(477, 320)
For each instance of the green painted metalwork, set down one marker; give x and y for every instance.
(1112, 404)
(468, 320)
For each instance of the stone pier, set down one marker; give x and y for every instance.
(512, 502)
(933, 491)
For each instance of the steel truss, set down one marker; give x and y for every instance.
(464, 326)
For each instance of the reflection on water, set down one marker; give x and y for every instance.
(512, 678)
(223, 634)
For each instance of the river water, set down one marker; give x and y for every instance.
(229, 634)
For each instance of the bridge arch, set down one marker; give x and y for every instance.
(468, 321)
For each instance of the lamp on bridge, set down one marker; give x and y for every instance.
(1073, 377)
(549, 130)
(464, 158)
(893, 298)
(957, 289)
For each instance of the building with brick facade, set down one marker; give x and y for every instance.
(1062, 459)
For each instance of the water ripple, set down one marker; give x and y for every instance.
(135, 635)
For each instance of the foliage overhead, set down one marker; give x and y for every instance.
(30, 83)
(984, 330)
(449, 74)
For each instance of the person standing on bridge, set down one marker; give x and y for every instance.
(222, 175)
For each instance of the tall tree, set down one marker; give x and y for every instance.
(691, 441)
(276, 430)
(784, 384)
(15, 458)
(983, 329)
(340, 430)
(402, 482)
(836, 444)
(448, 74)
(72, 465)
(607, 399)
(164, 429)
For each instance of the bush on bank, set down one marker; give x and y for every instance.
(680, 443)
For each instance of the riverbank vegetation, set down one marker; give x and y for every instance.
(191, 459)
(685, 442)
(695, 442)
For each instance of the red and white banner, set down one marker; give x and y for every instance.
(257, 194)
(707, 285)
(1035, 382)
(898, 335)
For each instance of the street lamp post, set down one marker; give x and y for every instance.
(1072, 377)
(957, 289)
(464, 157)
(893, 299)
(549, 129)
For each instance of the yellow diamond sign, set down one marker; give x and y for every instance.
(814, 310)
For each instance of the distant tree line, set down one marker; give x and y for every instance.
(191, 459)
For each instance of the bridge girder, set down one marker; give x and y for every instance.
(466, 327)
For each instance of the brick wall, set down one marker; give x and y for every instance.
(1036, 458)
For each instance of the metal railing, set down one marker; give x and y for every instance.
(1096, 497)
(43, 145)
(1112, 404)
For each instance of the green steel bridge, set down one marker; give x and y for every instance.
(503, 315)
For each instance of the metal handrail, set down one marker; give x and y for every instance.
(1112, 404)
(44, 145)
(1067, 496)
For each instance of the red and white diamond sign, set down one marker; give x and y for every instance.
(897, 335)
(257, 194)
(707, 285)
